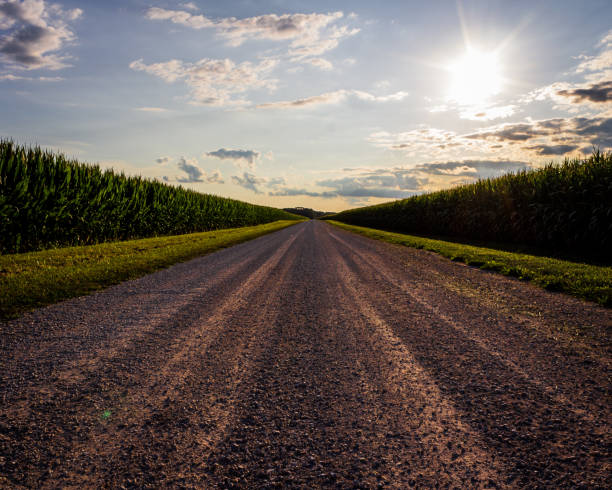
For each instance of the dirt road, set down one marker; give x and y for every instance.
(309, 358)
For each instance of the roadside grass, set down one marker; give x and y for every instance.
(35, 279)
(586, 281)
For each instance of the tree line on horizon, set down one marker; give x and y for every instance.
(307, 212)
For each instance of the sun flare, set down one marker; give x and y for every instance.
(475, 77)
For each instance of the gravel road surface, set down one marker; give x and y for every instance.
(310, 357)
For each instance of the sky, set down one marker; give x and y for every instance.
(327, 105)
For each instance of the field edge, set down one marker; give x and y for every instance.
(35, 279)
(584, 281)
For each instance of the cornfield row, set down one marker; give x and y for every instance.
(47, 201)
(562, 208)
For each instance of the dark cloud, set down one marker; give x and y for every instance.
(598, 92)
(400, 183)
(596, 131)
(194, 174)
(162, 160)
(576, 131)
(215, 178)
(384, 183)
(302, 192)
(510, 132)
(19, 46)
(552, 149)
(380, 192)
(12, 10)
(249, 156)
(249, 181)
(276, 182)
(448, 168)
(472, 168)
(35, 30)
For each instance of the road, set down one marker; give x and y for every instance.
(310, 357)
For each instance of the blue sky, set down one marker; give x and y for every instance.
(329, 105)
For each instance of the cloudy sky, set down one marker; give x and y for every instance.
(328, 105)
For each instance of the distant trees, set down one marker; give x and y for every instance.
(307, 212)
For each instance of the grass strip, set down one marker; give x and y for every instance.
(584, 281)
(35, 279)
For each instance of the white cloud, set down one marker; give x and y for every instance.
(332, 98)
(600, 62)
(574, 97)
(593, 94)
(11, 78)
(151, 109)
(36, 32)
(179, 17)
(552, 136)
(423, 138)
(401, 182)
(50, 79)
(315, 45)
(213, 82)
(311, 35)
(189, 6)
(487, 113)
(321, 63)
(397, 96)
(529, 139)
(326, 98)
(215, 178)
(483, 112)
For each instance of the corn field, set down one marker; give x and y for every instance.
(47, 201)
(563, 208)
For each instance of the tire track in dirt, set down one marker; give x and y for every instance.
(118, 381)
(451, 453)
(538, 435)
(119, 317)
(308, 358)
(312, 418)
(197, 381)
(507, 337)
(340, 403)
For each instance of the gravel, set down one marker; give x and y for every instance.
(310, 357)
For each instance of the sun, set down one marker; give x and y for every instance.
(475, 77)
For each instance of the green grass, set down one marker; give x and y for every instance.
(34, 279)
(585, 281)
